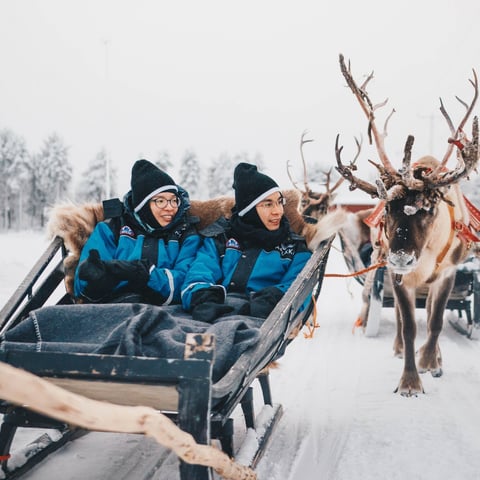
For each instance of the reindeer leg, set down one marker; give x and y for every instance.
(398, 342)
(410, 383)
(430, 358)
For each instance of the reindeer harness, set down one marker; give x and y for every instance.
(465, 233)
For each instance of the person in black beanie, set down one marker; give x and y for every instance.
(248, 262)
(143, 249)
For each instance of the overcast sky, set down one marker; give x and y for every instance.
(138, 77)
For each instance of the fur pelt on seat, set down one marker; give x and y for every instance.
(74, 224)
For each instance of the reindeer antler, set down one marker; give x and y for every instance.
(469, 151)
(302, 143)
(346, 172)
(305, 176)
(291, 178)
(457, 134)
(369, 110)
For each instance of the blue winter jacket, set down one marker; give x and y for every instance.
(171, 249)
(218, 257)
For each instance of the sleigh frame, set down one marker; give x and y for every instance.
(181, 388)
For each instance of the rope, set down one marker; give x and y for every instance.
(311, 327)
(358, 272)
(358, 323)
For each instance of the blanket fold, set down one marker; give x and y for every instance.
(130, 329)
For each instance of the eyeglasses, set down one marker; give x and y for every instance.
(162, 202)
(270, 204)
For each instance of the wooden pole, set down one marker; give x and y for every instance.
(23, 388)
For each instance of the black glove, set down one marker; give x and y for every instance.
(214, 294)
(136, 272)
(264, 301)
(209, 311)
(244, 309)
(99, 280)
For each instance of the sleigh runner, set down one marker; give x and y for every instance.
(185, 389)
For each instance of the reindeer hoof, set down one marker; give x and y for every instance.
(437, 372)
(409, 392)
(410, 389)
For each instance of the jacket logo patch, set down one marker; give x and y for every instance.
(126, 231)
(232, 243)
(286, 250)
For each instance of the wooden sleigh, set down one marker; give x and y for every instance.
(464, 298)
(183, 389)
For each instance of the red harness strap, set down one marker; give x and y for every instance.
(374, 219)
(446, 248)
(474, 215)
(464, 233)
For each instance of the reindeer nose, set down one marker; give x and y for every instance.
(401, 261)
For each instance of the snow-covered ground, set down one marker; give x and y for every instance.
(341, 419)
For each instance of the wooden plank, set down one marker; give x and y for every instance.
(112, 367)
(160, 397)
(25, 288)
(195, 403)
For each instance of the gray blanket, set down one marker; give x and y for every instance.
(131, 329)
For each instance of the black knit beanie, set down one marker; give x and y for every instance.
(251, 187)
(147, 181)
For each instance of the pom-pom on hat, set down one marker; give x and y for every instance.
(251, 187)
(147, 181)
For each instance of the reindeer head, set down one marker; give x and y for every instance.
(413, 194)
(315, 205)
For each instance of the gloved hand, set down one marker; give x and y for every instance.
(262, 302)
(136, 272)
(99, 281)
(103, 276)
(209, 311)
(213, 294)
(209, 303)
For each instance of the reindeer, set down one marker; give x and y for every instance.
(424, 229)
(315, 205)
(352, 231)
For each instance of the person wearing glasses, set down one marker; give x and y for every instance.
(141, 253)
(246, 263)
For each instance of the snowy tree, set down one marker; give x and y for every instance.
(51, 176)
(164, 162)
(92, 186)
(220, 172)
(14, 172)
(189, 175)
(220, 176)
(245, 157)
